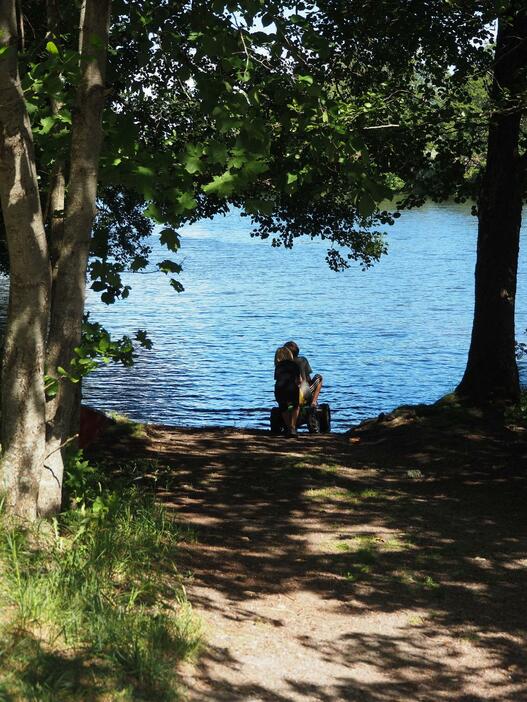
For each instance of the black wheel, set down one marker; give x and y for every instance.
(276, 421)
(313, 423)
(324, 418)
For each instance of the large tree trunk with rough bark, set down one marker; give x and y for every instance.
(23, 397)
(492, 373)
(71, 242)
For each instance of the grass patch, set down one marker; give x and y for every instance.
(417, 580)
(338, 494)
(126, 427)
(324, 468)
(365, 542)
(366, 551)
(93, 607)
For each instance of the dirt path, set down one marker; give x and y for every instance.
(382, 566)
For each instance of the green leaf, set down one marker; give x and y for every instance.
(192, 159)
(255, 167)
(138, 263)
(176, 285)
(305, 79)
(31, 108)
(170, 239)
(259, 206)
(51, 386)
(153, 212)
(187, 201)
(52, 48)
(217, 152)
(47, 124)
(143, 340)
(168, 266)
(221, 185)
(145, 171)
(366, 205)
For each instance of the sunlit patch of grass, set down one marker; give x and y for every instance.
(366, 551)
(95, 605)
(380, 544)
(416, 580)
(125, 426)
(395, 544)
(339, 494)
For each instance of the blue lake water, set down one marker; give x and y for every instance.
(396, 333)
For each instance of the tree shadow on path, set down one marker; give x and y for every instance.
(400, 551)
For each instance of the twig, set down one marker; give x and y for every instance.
(383, 126)
(68, 441)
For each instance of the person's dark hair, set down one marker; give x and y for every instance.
(293, 346)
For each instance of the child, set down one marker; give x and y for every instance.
(287, 377)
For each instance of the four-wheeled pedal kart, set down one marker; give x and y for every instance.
(317, 419)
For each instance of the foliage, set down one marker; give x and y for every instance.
(96, 348)
(94, 609)
(85, 486)
(207, 110)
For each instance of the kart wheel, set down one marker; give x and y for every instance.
(324, 418)
(276, 421)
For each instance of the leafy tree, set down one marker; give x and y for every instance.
(252, 128)
(451, 99)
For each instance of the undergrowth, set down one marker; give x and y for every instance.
(91, 605)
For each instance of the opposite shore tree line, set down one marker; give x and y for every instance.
(118, 114)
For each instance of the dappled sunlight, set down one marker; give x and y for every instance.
(327, 568)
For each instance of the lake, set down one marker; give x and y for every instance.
(396, 333)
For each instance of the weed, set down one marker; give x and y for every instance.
(413, 579)
(358, 572)
(428, 583)
(97, 607)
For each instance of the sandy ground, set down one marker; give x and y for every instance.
(384, 565)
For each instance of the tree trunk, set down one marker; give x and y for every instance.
(492, 373)
(23, 398)
(67, 306)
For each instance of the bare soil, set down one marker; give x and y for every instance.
(385, 565)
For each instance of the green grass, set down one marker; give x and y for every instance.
(93, 608)
(338, 494)
(323, 468)
(124, 426)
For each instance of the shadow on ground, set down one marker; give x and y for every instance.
(411, 514)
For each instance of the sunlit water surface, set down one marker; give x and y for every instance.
(396, 333)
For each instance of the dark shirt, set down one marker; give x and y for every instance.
(305, 368)
(286, 373)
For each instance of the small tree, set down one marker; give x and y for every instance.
(241, 100)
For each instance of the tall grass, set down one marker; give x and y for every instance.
(91, 607)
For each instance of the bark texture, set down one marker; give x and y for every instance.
(492, 373)
(71, 246)
(23, 398)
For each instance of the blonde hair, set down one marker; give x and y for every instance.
(283, 354)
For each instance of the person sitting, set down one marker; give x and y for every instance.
(288, 378)
(313, 383)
